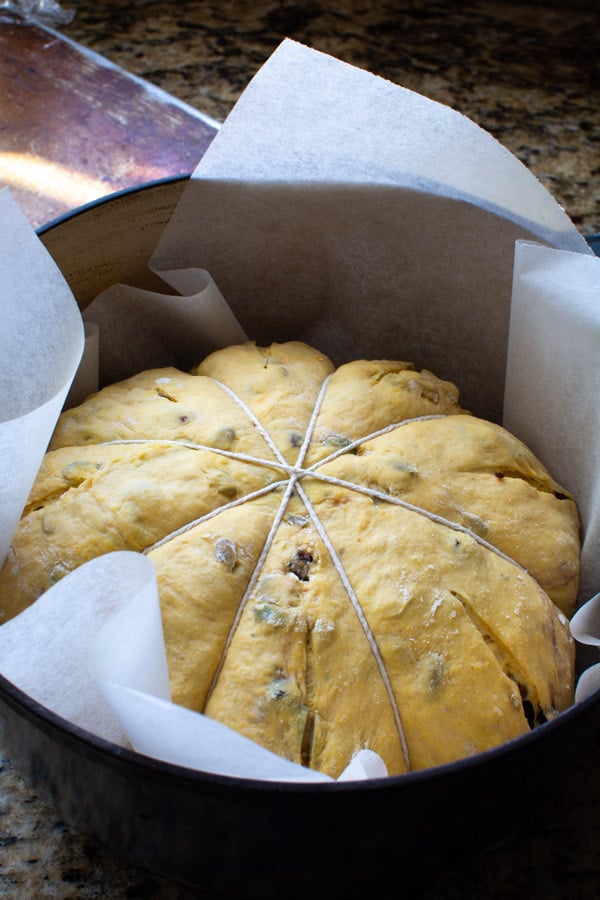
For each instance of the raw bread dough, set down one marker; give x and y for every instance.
(345, 559)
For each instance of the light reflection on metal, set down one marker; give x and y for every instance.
(44, 177)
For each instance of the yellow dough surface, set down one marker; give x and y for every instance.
(346, 559)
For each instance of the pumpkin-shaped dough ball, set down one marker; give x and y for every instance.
(345, 558)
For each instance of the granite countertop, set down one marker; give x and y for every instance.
(525, 71)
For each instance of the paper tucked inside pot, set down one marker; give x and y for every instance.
(143, 329)
(585, 627)
(551, 401)
(41, 342)
(553, 378)
(370, 222)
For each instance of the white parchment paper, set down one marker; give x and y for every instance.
(585, 627)
(333, 201)
(552, 398)
(41, 342)
(339, 209)
(144, 329)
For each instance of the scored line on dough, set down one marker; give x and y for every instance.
(295, 473)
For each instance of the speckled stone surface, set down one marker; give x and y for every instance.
(528, 73)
